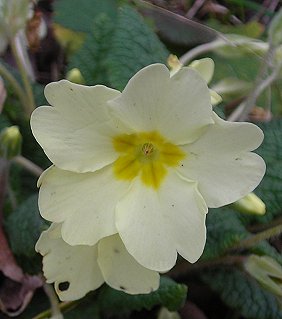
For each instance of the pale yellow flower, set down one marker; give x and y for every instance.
(76, 270)
(145, 163)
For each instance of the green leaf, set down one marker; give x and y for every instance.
(23, 227)
(264, 248)
(38, 91)
(270, 189)
(242, 293)
(90, 59)
(113, 53)
(4, 122)
(132, 48)
(224, 230)
(80, 15)
(170, 295)
(87, 309)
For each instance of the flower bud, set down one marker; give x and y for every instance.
(267, 271)
(205, 67)
(10, 142)
(174, 64)
(74, 75)
(250, 204)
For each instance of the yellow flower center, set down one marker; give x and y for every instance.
(146, 154)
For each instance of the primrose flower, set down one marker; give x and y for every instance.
(145, 163)
(77, 270)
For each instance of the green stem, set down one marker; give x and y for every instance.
(200, 49)
(7, 75)
(28, 165)
(55, 309)
(261, 227)
(257, 238)
(26, 83)
(261, 83)
(211, 46)
(64, 306)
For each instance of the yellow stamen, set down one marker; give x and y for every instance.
(146, 154)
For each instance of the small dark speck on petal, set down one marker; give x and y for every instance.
(63, 286)
(237, 159)
(122, 288)
(144, 206)
(116, 250)
(71, 89)
(172, 205)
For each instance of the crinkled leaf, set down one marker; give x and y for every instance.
(23, 227)
(242, 293)
(80, 15)
(170, 295)
(85, 310)
(224, 230)
(132, 48)
(113, 52)
(270, 189)
(90, 58)
(264, 248)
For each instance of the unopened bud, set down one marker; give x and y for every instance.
(267, 271)
(10, 142)
(205, 67)
(174, 64)
(250, 204)
(75, 76)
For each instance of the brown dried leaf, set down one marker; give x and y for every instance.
(259, 114)
(15, 296)
(8, 264)
(17, 288)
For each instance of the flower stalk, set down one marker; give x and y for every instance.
(55, 309)
(63, 306)
(7, 75)
(30, 105)
(28, 165)
(257, 238)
